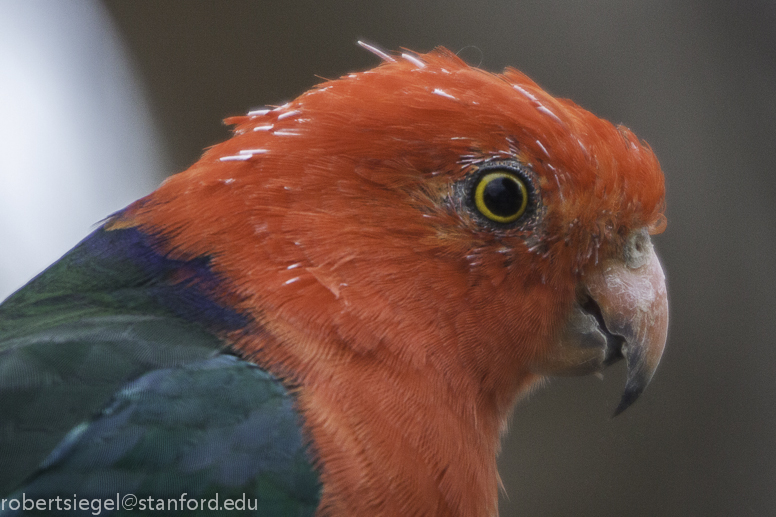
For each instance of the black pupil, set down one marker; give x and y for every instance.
(503, 197)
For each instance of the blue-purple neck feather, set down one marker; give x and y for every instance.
(125, 268)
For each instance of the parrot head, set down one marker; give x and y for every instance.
(417, 245)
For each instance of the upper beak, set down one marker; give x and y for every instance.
(621, 311)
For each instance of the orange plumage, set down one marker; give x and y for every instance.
(407, 324)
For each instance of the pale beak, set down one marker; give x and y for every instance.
(621, 311)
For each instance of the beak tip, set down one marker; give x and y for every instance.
(629, 396)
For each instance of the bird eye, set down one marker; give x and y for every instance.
(501, 195)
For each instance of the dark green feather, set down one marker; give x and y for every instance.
(113, 379)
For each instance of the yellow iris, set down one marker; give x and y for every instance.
(501, 196)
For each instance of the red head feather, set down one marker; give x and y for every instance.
(408, 325)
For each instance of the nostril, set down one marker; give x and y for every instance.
(637, 249)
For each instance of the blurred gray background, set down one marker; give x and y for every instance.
(147, 83)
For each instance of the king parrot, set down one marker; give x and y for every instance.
(334, 311)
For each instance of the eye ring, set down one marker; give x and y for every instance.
(501, 195)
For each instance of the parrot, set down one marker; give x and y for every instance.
(334, 311)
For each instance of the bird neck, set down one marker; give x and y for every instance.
(390, 438)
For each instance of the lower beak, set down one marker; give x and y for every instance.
(621, 311)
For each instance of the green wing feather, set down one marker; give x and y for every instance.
(113, 380)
